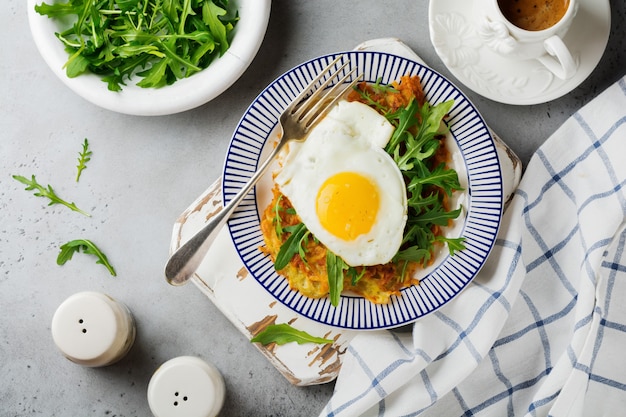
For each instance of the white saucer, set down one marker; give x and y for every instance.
(511, 81)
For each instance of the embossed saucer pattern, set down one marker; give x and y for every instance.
(453, 34)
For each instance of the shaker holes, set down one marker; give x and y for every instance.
(176, 394)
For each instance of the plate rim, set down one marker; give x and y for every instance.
(323, 303)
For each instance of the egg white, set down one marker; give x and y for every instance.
(349, 139)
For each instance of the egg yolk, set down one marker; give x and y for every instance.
(347, 204)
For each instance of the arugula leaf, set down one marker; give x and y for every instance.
(88, 247)
(436, 216)
(355, 276)
(155, 76)
(377, 87)
(159, 41)
(420, 203)
(47, 192)
(76, 64)
(454, 244)
(284, 333)
(433, 115)
(442, 177)
(210, 15)
(334, 268)
(84, 156)
(292, 245)
(57, 10)
(278, 221)
(423, 145)
(414, 254)
(403, 119)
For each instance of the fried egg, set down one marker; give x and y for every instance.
(346, 189)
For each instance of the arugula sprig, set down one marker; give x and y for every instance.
(87, 246)
(379, 88)
(292, 246)
(421, 177)
(47, 192)
(284, 333)
(337, 270)
(334, 268)
(278, 218)
(422, 144)
(160, 41)
(84, 156)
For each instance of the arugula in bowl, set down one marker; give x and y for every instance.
(158, 41)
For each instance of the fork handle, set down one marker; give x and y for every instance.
(187, 258)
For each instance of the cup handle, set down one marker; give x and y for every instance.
(559, 59)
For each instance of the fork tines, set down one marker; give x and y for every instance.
(319, 103)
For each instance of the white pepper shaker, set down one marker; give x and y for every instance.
(93, 329)
(186, 386)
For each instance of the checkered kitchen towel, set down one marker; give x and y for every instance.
(542, 329)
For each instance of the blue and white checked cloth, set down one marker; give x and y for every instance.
(542, 329)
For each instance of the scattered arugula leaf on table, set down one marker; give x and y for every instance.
(88, 247)
(284, 333)
(47, 192)
(77, 245)
(159, 41)
(84, 156)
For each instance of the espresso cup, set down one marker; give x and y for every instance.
(529, 29)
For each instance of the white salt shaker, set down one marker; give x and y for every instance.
(186, 386)
(93, 329)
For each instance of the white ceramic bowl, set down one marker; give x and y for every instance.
(184, 94)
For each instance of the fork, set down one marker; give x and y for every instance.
(294, 123)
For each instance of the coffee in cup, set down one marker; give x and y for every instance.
(529, 29)
(533, 15)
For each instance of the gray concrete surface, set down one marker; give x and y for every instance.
(144, 172)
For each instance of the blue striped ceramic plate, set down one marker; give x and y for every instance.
(479, 170)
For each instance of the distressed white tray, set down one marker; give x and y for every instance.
(223, 278)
